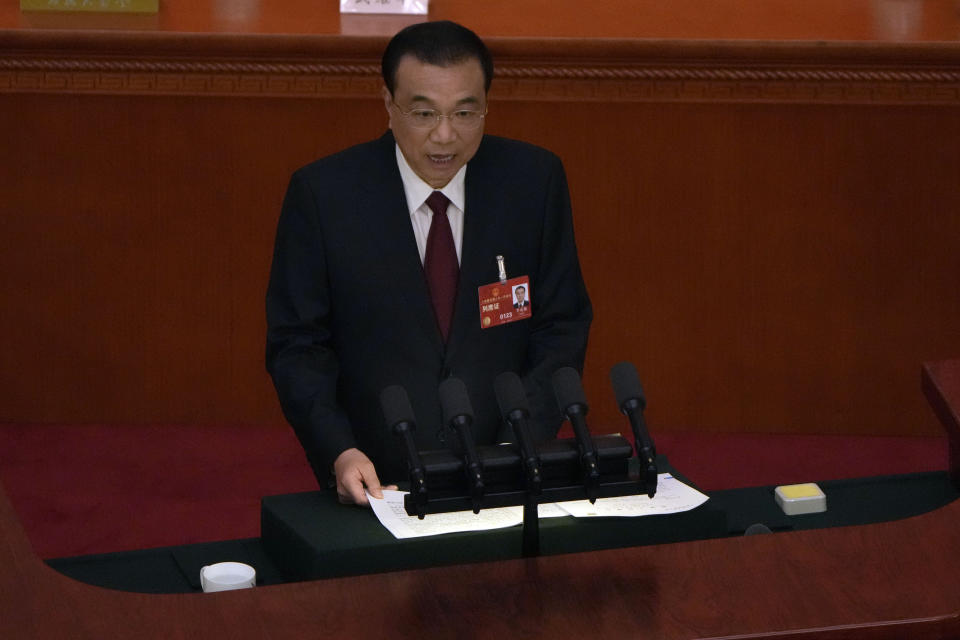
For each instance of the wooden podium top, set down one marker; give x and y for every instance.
(810, 20)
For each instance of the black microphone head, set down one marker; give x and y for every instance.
(568, 388)
(396, 406)
(511, 395)
(626, 384)
(454, 400)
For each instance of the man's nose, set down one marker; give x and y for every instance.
(443, 132)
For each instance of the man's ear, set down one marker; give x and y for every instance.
(387, 99)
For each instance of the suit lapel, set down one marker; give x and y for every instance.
(383, 201)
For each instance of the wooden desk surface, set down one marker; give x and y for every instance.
(891, 580)
(816, 20)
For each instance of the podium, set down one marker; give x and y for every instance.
(311, 536)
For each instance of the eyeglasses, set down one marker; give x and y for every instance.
(430, 118)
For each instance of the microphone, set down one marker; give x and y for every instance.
(398, 415)
(573, 404)
(630, 399)
(515, 410)
(458, 413)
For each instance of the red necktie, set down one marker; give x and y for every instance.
(440, 263)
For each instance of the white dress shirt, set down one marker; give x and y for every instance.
(417, 192)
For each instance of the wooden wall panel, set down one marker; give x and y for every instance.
(136, 249)
(771, 268)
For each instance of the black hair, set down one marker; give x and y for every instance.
(440, 43)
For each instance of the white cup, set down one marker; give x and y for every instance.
(225, 576)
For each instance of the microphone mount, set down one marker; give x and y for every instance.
(524, 472)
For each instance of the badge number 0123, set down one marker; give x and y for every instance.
(505, 302)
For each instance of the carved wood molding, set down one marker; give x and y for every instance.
(731, 84)
(622, 82)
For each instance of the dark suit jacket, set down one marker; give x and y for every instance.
(349, 313)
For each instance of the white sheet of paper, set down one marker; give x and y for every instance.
(392, 515)
(672, 497)
(550, 510)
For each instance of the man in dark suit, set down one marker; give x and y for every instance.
(354, 302)
(521, 304)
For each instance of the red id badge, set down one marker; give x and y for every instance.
(503, 302)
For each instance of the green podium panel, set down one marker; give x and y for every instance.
(310, 536)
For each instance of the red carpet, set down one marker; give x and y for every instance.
(93, 489)
(727, 461)
(100, 488)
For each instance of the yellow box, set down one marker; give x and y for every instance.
(798, 499)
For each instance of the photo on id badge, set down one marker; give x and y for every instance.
(521, 299)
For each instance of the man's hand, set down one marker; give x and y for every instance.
(354, 471)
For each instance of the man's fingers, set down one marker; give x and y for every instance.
(354, 472)
(350, 487)
(373, 485)
(357, 494)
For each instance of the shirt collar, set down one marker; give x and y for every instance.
(417, 191)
